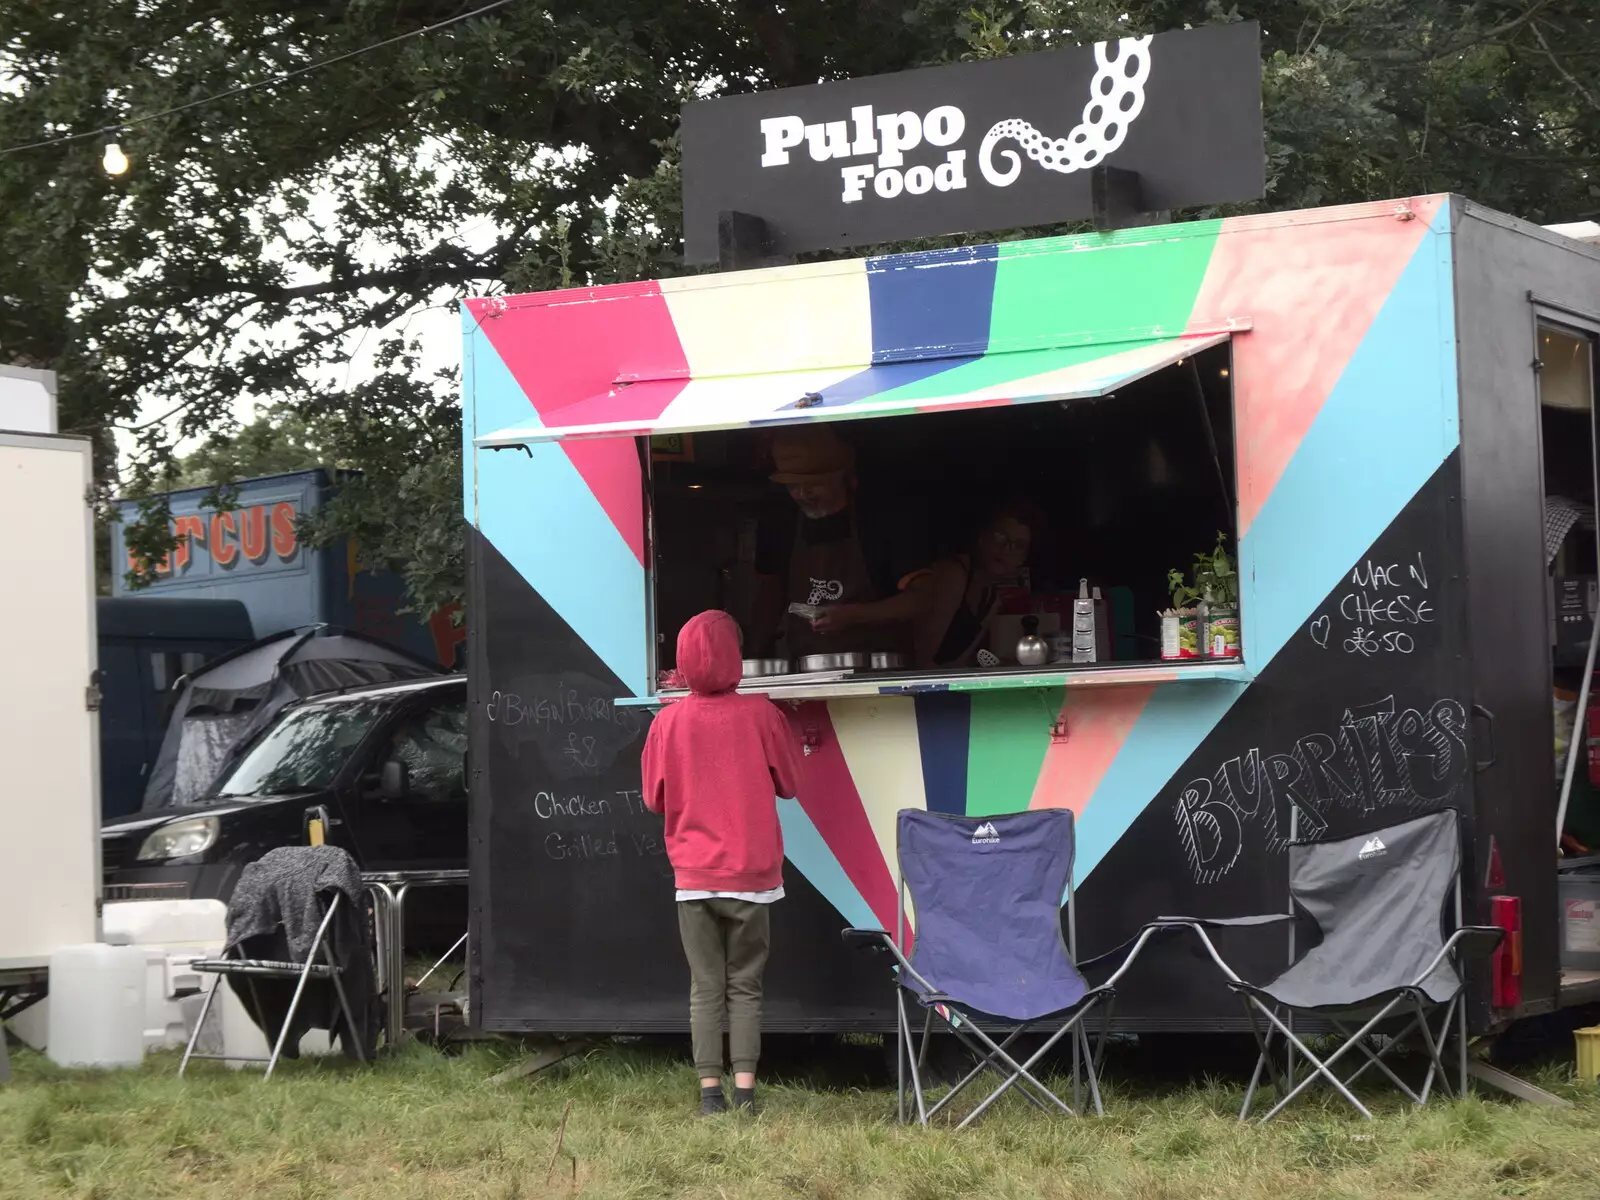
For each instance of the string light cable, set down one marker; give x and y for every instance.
(259, 85)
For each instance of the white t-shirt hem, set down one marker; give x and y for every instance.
(766, 897)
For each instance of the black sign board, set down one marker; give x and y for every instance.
(1148, 123)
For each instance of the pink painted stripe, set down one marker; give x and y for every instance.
(1098, 723)
(565, 353)
(1311, 290)
(829, 797)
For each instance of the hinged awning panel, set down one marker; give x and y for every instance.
(886, 389)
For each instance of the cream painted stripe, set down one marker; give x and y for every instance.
(878, 736)
(784, 319)
(732, 400)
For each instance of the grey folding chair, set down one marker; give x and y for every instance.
(1382, 966)
(295, 914)
(318, 964)
(988, 952)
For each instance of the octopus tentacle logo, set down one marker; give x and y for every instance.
(1116, 97)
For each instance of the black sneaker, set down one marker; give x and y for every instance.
(712, 1101)
(744, 1099)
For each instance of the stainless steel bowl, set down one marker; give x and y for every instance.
(831, 662)
(756, 668)
(882, 661)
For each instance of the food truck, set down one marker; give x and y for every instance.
(1371, 403)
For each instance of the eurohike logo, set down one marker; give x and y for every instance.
(985, 834)
(1374, 848)
(1116, 98)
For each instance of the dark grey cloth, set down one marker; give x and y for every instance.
(286, 887)
(276, 909)
(1381, 901)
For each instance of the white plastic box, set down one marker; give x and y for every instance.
(171, 934)
(97, 1006)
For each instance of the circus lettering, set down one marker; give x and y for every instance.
(1380, 757)
(250, 534)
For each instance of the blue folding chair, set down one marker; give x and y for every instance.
(989, 953)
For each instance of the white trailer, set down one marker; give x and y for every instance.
(49, 702)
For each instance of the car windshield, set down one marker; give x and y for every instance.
(304, 751)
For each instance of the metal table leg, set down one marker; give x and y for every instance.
(390, 982)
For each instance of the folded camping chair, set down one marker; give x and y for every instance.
(1381, 903)
(988, 951)
(294, 916)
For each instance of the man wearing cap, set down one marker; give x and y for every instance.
(837, 554)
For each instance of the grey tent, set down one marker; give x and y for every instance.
(228, 701)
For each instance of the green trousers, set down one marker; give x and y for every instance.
(726, 943)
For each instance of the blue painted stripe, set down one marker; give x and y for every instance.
(933, 304)
(540, 515)
(874, 381)
(944, 725)
(1389, 422)
(804, 847)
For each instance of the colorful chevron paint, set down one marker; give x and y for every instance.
(1344, 363)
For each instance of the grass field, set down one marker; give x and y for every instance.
(424, 1125)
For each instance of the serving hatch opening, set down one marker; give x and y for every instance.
(945, 536)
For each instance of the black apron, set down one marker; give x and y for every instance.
(835, 572)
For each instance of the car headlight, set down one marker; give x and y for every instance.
(179, 839)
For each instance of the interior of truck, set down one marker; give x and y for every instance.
(1105, 496)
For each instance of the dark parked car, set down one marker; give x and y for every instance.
(383, 766)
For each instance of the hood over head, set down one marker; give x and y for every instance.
(708, 653)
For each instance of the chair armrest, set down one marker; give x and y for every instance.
(876, 941)
(1221, 922)
(1477, 941)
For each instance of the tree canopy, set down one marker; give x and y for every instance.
(256, 236)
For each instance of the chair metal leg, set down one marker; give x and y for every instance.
(1264, 1061)
(200, 1025)
(300, 986)
(1375, 1059)
(986, 1062)
(1324, 1068)
(1443, 1039)
(1022, 1070)
(1093, 1072)
(1433, 1052)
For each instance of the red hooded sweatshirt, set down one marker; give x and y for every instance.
(714, 764)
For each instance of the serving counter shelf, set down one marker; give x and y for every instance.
(841, 685)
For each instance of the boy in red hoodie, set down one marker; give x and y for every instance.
(714, 765)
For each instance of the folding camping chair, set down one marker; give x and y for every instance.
(1379, 903)
(285, 885)
(988, 951)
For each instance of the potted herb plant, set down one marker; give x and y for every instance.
(1180, 624)
(1204, 618)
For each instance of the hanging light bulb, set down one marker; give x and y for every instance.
(115, 161)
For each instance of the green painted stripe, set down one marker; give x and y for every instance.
(1118, 291)
(1010, 733)
(1130, 279)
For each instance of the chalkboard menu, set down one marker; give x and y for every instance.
(573, 911)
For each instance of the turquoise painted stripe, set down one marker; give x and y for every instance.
(804, 847)
(539, 513)
(1177, 719)
(469, 413)
(1391, 419)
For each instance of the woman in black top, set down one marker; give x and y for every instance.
(950, 604)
